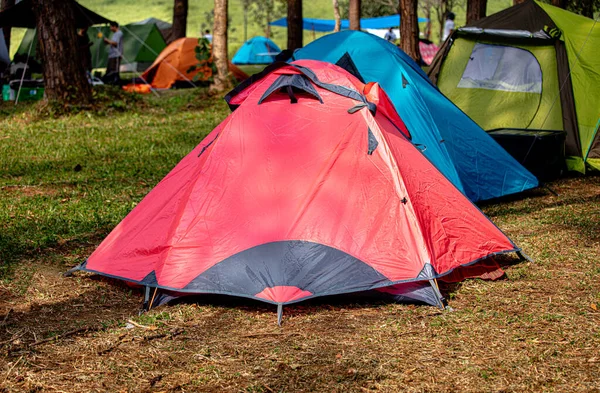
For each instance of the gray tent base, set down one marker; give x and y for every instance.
(419, 292)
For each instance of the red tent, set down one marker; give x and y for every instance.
(311, 187)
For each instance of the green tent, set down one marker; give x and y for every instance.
(531, 66)
(142, 43)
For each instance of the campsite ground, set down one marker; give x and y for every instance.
(66, 181)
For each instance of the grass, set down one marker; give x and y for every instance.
(66, 181)
(125, 11)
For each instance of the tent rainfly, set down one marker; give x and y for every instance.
(22, 15)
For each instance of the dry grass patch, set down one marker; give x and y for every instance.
(536, 330)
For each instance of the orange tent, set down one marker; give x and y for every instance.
(178, 62)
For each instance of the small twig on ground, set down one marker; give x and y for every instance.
(161, 335)
(66, 334)
(142, 326)
(6, 318)
(11, 368)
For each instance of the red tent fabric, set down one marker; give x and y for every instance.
(311, 187)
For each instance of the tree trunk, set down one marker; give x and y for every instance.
(560, 3)
(354, 14)
(180, 13)
(427, 32)
(219, 46)
(64, 73)
(409, 29)
(5, 5)
(336, 16)
(475, 10)
(441, 12)
(294, 17)
(515, 2)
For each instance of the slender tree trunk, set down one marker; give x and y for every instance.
(354, 14)
(409, 29)
(294, 17)
(427, 32)
(559, 3)
(441, 12)
(219, 46)
(5, 5)
(336, 16)
(64, 73)
(245, 24)
(180, 13)
(476, 10)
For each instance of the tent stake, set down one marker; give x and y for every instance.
(436, 289)
(152, 301)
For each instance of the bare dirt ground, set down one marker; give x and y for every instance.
(536, 330)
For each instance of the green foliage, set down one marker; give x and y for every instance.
(207, 68)
(264, 12)
(371, 9)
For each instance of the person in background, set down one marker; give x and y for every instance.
(208, 36)
(115, 53)
(448, 26)
(84, 44)
(390, 36)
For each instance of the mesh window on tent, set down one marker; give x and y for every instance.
(496, 67)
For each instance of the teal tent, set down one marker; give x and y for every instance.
(456, 145)
(257, 50)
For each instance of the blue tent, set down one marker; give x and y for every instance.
(257, 50)
(456, 145)
(382, 22)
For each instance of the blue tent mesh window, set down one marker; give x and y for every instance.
(496, 67)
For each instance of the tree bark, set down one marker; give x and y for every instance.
(515, 2)
(476, 10)
(559, 3)
(336, 16)
(427, 32)
(180, 13)
(219, 46)
(5, 5)
(294, 17)
(354, 14)
(64, 73)
(409, 29)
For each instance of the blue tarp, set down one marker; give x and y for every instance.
(257, 50)
(382, 22)
(454, 143)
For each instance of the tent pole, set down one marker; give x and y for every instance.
(146, 299)
(524, 257)
(25, 69)
(279, 313)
